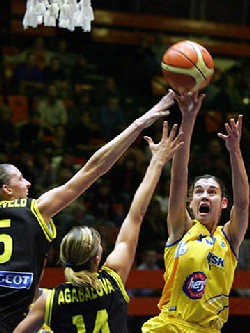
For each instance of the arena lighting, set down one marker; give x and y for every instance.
(62, 13)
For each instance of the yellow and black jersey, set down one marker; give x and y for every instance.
(84, 309)
(24, 243)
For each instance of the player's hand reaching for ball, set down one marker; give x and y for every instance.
(190, 103)
(159, 110)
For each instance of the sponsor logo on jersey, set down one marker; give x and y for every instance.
(181, 249)
(16, 280)
(194, 285)
(215, 260)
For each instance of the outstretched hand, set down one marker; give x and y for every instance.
(190, 103)
(168, 145)
(160, 109)
(234, 129)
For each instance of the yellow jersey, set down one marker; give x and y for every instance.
(198, 279)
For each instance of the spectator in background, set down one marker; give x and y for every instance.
(28, 77)
(57, 143)
(64, 166)
(154, 230)
(101, 202)
(162, 193)
(149, 260)
(82, 101)
(111, 118)
(52, 110)
(8, 131)
(31, 133)
(219, 160)
(81, 133)
(244, 255)
(66, 57)
(55, 74)
(108, 87)
(81, 72)
(41, 52)
(45, 172)
(124, 187)
(146, 66)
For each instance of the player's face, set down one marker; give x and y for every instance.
(18, 185)
(207, 201)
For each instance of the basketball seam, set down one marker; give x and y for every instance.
(191, 61)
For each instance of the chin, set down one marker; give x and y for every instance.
(204, 219)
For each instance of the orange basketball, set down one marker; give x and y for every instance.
(187, 66)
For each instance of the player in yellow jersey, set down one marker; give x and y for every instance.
(200, 256)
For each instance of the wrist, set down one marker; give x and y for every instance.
(157, 162)
(235, 152)
(140, 123)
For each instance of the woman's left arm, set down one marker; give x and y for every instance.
(238, 224)
(122, 257)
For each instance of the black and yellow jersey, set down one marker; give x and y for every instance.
(84, 309)
(24, 243)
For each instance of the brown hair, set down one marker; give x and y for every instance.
(207, 176)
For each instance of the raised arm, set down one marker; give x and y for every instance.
(178, 218)
(35, 318)
(53, 201)
(238, 224)
(122, 257)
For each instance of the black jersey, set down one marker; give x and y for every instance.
(24, 243)
(83, 309)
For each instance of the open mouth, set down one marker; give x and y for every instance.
(204, 209)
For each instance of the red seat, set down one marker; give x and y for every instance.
(19, 107)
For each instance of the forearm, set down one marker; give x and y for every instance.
(146, 189)
(179, 182)
(179, 170)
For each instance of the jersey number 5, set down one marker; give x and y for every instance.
(7, 242)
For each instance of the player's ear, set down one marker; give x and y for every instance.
(224, 203)
(6, 189)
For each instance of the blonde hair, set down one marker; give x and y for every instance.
(78, 247)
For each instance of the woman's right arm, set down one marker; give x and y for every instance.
(178, 218)
(53, 201)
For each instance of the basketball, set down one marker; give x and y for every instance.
(187, 66)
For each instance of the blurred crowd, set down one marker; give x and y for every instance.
(73, 106)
